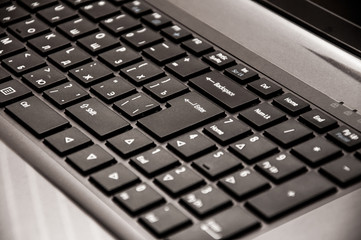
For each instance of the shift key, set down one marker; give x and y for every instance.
(186, 112)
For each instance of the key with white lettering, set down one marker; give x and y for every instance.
(187, 67)
(120, 24)
(318, 121)
(12, 91)
(98, 42)
(291, 104)
(165, 88)
(120, 57)
(264, 88)
(69, 58)
(164, 52)
(77, 28)
(57, 14)
(142, 72)
(9, 45)
(44, 78)
(219, 60)
(28, 28)
(241, 74)
(348, 138)
(113, 89)
(49, 43)
(142, 38)
(176, 33)
(90, 73)
(12, 13)
(23, 62)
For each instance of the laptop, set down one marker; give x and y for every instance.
(187, 120)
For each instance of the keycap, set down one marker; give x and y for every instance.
(114, 178)
(316, 151)
(154, 161)
(49, 43)
(44, 78)
(66, 94)
(173, 121)
(90, 159)
(165, 88)
(176, 33)
(243, 184)
(69, 58)
(291, 104)
(197, 46)
(23, 62)
(130, 143)
(223, 91)
(98, 42)
(216, 164)
(219, 60)
(57, 14)
(227, 130)
(138, 199)
(113, 89)
(187, 67)
(90, 73)
(345, 137)
(4, 75)
(141, 38)
(253, 148)
(288, 133)
(142, 72)
(290, 195)
(191, 145)
(136, 106)
(137, 8)
(12, 91)
(264, 88)
(12, 13)
(156, 20)
(280, 167)
(262, 116)
(9, 45)
(318, 121)
(120, 24)
(67, 141)
(241, 74)
(34, 5)
(179, 181)
(226, 225)
(28, 111)
(164, 52)
(97, 118)
(344, 171)
(206, 201)
(164, 220)
(77, 28)
(28, 28)
(120, 57)
(99, 10)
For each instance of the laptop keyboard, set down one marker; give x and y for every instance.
(188, 140)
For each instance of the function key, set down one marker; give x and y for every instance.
(264, 88)
(219, 60)
(348, 138)
(241, 74)
(197, 46)
(120, 24)
(156, 20)
(120, 57)
(142, 38)
(28, 28)
(99, 10)
(12, 91)
(176, 33)
(291, 104)
(142, 72)
(113, 89)
(49, 43)
(318, 121)
(12, 13)
(35, 5)
(98, 42)
(10, 45)
(137, 8)
(164, 52)
(69, 58)
(187, 67)
(165, 88)
(23, 62)
(44, 78)
(77, 28)
(90, 73)
(57, 14)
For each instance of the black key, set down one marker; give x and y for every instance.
(90, 73)
(243, 184)
(12, 91)
(187, 67)
(28, 28)
(137, 8)
(90, 159)
(348, 138)
(120, 24)
(165, 88)
(316, 151)
(9, 45)
(156, 20)
(77, 28)
(12, 13)
(173, 120)
(97, 118)
(69, 58)
(288, 133)
(44, 78)
(224, 91)
(114, 178)
(4, 75)
(225, 225)
(291, 195)
(344, 171)
(130, 143)
(34, 5)
(191, 145)
(241, 74)
(219, 60)
(264, 88)
(138, 199)
(120, 57)
(142, 38)
(66, 94)
(154, 162)
(227, 130)
(206, 201)
(28, 112)
(176, 33)
(197, 46)
(77, 3)
(113, 89)
(253, 148)
(291, 104)
(142, 72)
(57, 14)
(164, 220)
(98, 42)
(179, 181)
(99, 10)
(280, 167)
(136, 106)
(49, 43)
(67, 141)
(23, 62)
(164, 52)
(262, 116)
(318, 121)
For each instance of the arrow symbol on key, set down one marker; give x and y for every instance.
(91, 156)
(180, 143)
(129, 141)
